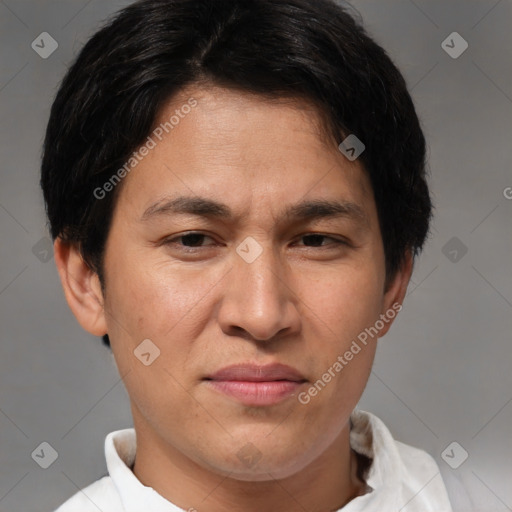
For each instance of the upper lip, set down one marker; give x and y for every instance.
(257, 373)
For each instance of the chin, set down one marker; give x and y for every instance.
(262, 474)
(250, 465)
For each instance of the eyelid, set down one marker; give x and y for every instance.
(338, 240)
(173, 238)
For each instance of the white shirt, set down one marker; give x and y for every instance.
(400, 479)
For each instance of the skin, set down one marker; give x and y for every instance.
(300, 303)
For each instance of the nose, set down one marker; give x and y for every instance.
(259, 302)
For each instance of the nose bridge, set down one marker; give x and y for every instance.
(257, 299)
(257, 268)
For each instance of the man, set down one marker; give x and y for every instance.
(237, 192)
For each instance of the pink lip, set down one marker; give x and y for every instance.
(257, 385)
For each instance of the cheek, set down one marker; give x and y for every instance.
(340, 350)
(345, 300)
(156, 300)
(161, 305)
(170, 307)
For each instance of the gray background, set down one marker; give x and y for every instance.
(443, 372)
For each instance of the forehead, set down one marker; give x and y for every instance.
(243, 150)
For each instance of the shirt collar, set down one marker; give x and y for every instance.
(120, 447)
(368, 436)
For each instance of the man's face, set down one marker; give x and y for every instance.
(208, 303)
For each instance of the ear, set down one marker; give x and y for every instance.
(395, 292)
(82, 288)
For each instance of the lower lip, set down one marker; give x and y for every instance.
(257, 393)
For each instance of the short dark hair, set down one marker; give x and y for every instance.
(315, 50)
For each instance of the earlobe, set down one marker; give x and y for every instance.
(81, 288)
(395, 292)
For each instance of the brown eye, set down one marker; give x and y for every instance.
(193, 239)
(316, 239)
(188, 240)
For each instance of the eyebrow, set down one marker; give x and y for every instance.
(304, 210)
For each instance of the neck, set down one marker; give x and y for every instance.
(325, 485)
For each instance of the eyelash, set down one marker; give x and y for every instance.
(172, 241)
